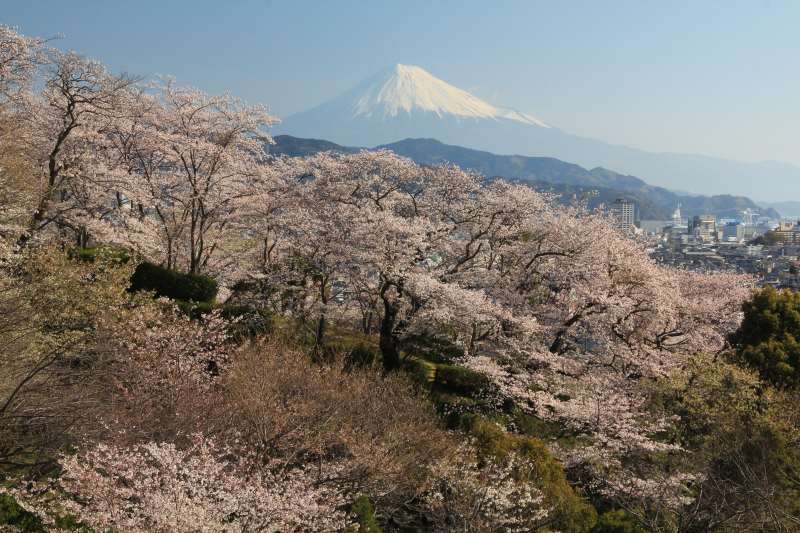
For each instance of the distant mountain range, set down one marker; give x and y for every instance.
(406, 101)
(597, 186)
(787, 209)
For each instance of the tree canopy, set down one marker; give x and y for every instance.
(767, 339)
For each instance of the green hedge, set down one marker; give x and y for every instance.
(364, 512)
(459, 380)
(12, 514)
(768, 339)
(90, 255)
(360, 356)
(171, 284)
(617, 521)
(420, 371)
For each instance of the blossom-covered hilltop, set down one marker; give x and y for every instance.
(196, 335)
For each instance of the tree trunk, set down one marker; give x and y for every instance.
(388, 339)
(559, 345)
(82, 238)
(366, 321)
(53, 178)
(388, 342)
(322, 321)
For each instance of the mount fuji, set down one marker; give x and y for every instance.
(406, 101)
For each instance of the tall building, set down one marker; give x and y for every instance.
(748, 216)
(676, 216)
(624, 212)
(788, 232)
(733, 231)
(703, 227)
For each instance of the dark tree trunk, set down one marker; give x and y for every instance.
(388, 343)
(53, 178)
(559, 345)
(322, 321)
(388, 338)
(82, 238)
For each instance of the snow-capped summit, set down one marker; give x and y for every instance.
(409, 88)
(407, 101)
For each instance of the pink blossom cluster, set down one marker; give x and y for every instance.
(207, 486)
(501, 495)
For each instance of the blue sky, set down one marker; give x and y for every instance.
(714, 77)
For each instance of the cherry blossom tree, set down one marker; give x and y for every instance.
(63, 130)
(20, 56)
(264, 218)
(567, 315)
(610, 323)
(486, 497)
(192, 161)
(159, 487)
(160, 368)
(400, 230)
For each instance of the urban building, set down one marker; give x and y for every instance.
(655, 227)
(624, 213)
(677, 219)
(733, 231)
(704, 228)
(788, 232)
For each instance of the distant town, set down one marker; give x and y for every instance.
(754, 244)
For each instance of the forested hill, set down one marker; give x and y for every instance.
(598, 185)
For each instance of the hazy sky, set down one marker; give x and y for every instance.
(720, 78)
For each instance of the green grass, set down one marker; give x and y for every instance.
(424, 370)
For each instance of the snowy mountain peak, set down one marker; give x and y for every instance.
(409, 88)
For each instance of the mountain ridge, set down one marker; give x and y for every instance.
(598, 185)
